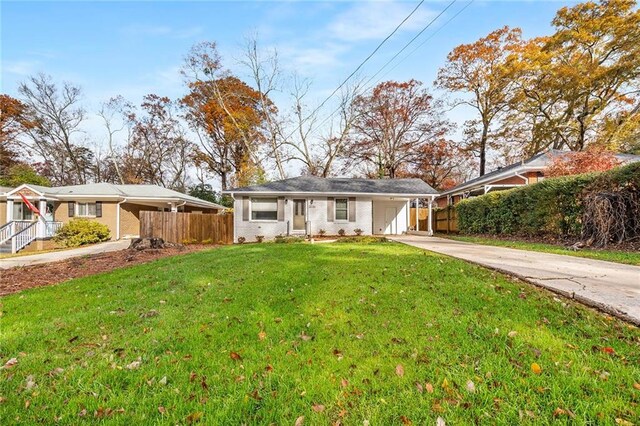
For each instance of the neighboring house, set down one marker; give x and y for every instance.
(305, 205)
(117, 206)
(518, 174)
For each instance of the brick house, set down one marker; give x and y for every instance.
(117, 206)
(518, 174)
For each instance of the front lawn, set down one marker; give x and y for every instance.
(268, 333)
(618, 256)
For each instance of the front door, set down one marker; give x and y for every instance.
(390, 214)
(299, 215)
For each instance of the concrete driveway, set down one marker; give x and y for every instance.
(56, 256)
(612, 287)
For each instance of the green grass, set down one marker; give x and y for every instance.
(628, 257)
(337, 321)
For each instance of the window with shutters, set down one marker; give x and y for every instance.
(342, 209)
(86, 209)
(264, 209)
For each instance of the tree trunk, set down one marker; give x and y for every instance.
(483, 148)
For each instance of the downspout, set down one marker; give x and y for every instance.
(526, 179)
(180, 205)
(118, 218)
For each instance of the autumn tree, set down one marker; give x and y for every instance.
(481, 72)
(227, 116)
(394, 125)
(441, 162)
(158, 150)
(593, 159)
(13, 122)
(56, 115)
(580, 85)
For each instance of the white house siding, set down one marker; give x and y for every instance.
(316, 215)
(380, 223)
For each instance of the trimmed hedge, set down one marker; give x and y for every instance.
(79, 232)
(553, 206)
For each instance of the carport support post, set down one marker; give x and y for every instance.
(429, 222)
(417, 215)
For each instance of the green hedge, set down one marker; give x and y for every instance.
(553, 206)
(79, 232)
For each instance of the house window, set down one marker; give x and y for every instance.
(342, 209)
(86, 209)
(21, 211)
(264, 209)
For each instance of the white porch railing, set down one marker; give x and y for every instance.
(22, 238)
(51, 228)
(19, 233)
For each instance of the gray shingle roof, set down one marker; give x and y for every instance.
(538, 162)
(311, 184)
(123, 191)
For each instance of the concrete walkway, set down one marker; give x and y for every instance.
(56, 256)
(611, 287)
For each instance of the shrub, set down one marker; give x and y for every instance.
(241, 240)
(554, 206)
(341, 232)
(322, 232)
(79, 232)
(358, 231)
(188, 241)
(289, 239)
(368, 239)
(259, 238)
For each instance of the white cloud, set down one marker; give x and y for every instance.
(21, 68)
(145, 30)
(376, 20)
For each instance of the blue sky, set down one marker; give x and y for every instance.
(133, 48)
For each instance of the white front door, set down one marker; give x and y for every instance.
(390, 215)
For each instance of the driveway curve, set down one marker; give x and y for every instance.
(611, 287)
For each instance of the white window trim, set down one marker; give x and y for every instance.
(251, 219)
(87, 204)
(335, 211)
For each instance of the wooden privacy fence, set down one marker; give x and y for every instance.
(423, 217)
(445, 220)
(185, 228)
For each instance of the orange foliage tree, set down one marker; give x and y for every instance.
(576, 162)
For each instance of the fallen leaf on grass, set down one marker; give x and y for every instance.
(161, 409)
(344, 383)
(304, 336)
(134, 365)
(82, 412)
(636, 386)
(27, 404)
(163, 381)
(299, 421)
(623, 422)
(318, 408)
(440, 422)
(11, 363)
(405, 420)
(262, 335)
(73, 339)
(399, 370)
(235, 356)
(471, 387)
(419, 387)
(512, 334)
(535, 367)
(194, 417)
(608, 350)
(562, 412)
(30, 382)
(429, 387)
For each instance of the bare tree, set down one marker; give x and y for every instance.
(112, 113)
(56, 116)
